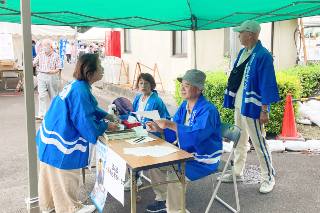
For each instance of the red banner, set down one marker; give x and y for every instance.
(113, 45)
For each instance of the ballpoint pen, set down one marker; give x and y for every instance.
(140, 139)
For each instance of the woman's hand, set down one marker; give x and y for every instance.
(113, 118)
(116, 119)
(153, 127)
(112, 126)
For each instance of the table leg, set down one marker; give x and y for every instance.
(22, 79)
(133, 191)
(183, 187)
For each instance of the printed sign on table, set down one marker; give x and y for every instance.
(99, 192)
(110, 176)
(115, 175)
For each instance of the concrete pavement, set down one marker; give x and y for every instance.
(297, 175)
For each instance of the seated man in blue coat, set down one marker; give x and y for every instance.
(197, 126)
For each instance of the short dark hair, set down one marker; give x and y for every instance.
(147, 77)
(86, 67)
(33, 42)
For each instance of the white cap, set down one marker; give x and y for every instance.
(249, 25)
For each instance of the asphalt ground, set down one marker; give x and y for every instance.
(297, 186)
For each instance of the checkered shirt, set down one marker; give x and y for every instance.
(46, 62)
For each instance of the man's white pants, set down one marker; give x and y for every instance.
(171, 192)
(252, 127)
(46, 84)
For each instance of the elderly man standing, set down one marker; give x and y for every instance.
(251, 101)
(48, 63)
(197, 126)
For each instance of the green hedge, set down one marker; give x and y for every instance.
(286, 84)
(309, 77)
(216, 84)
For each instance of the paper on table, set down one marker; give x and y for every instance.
(153, 151)
(154, 114)
(140, 131)
(146, 139)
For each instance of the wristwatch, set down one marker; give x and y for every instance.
(265, 111)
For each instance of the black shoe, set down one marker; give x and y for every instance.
(158, 207)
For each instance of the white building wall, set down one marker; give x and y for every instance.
(210, 48)
(284, 49)
(152, 47)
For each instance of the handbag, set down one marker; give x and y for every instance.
(236, 75)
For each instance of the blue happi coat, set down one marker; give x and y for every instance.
(260, 85)
(73, 121)
(154, 103)
(201, 138)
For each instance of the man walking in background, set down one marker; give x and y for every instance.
(251, 100)
(49, 66)
(34, 54)
(68, 52)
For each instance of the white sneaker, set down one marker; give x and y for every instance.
(47, 211)
(39, 118)
(87, 209)
(228, 178)
(127, 185)
(267, 186)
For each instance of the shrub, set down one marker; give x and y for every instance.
(286, 84)
(309, 77)
(216, 83)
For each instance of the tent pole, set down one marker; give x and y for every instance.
(29, 101)
(195, 49)
(76, 43)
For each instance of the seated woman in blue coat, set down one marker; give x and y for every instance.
(148, 100)
(197, 125)
(72, 125)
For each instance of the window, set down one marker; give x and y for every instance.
(127, 40)
(180, 44)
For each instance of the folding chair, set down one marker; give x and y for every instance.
(172, 110)
(233, 133)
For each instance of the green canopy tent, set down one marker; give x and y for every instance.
(143, 14)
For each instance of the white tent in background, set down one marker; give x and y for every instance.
(96, 34)
(38, 32)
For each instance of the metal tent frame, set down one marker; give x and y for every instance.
(190, 23)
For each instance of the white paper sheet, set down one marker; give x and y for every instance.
(154, 151)
(154, 115)
(140, 131)
(146, 139)
(115, 175)
(132, 119)
(6, 47)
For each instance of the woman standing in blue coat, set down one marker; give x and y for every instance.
(72, 125)
(148, 100)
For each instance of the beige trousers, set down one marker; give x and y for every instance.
(47, 84)
(170, 192)
(58, 189)
(251, 127)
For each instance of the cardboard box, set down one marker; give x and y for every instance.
(7, 65)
